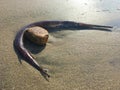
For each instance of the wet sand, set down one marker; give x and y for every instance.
(77, 60)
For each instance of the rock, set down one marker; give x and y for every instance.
(37, 35)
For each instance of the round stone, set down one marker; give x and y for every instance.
(37, 35)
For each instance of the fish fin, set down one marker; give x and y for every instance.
(44, 73)
(20, 60)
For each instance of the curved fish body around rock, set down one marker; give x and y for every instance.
(19, 45)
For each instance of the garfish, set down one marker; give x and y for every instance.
(49, 25)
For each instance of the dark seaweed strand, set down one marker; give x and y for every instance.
(19, 45)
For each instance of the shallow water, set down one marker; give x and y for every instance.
(77, 60)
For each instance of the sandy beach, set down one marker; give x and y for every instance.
(77, 60)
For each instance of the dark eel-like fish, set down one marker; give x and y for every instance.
(49, 25)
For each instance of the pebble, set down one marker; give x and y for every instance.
(37, 35)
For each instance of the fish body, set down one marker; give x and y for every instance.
(19, 45)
